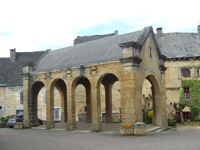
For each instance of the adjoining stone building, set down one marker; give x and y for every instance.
(183, 62)
(11, 83)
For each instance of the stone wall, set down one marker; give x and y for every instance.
(10, 100)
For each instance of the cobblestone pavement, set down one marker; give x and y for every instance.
(184, 138)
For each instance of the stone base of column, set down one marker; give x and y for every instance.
(96, 127)
(26, 123)
(88, 119)
(109, 120)
(50, 124)
(164, 123)
(71, 125)
(30, 123)
(126, 130)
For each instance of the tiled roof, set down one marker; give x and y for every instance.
(10, 72)
(177, 45)
(101, 50)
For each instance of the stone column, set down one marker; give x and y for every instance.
(108, 101)
(128, 101)
(88, 105)
(27, 100)
(50, 123)
(138, 96)
(130, 87)
(96, 108)
(63, 105)
(71, 123)
(163, 100)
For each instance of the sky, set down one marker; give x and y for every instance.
(38, 25)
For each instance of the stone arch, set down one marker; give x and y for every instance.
(86, 83)
(35, 89)
(107, 80)
(62, 89)
(156, 97)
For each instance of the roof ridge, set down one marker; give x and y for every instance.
(107, 38)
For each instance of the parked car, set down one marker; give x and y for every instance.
(18, 118)
(13, 119)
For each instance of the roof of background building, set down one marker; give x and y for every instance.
(10, 72)
(83, 39)
(177, 45)
(96, 51)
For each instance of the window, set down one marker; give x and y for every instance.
(197, 73)
(19, 111)
(186, 93)
(185, 72)
(21, 97)
(57, 114)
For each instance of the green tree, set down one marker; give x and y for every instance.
(194, 90)
(179, 107)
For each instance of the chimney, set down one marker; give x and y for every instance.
(198, 28)
(116, 32)
(13, 55)
(159, 31)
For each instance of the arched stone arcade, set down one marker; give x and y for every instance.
(133, 62)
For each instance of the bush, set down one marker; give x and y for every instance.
(194, 112)
(150, 115)
(171, 122)
(3, 119)
(147, 120)
(177, 118)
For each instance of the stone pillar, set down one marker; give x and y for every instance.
(50, 123)
(130, 89)
(128, 103)
(138, 96)
(71, 123)
(96, 108)
(63, 105)
(108, 101)
(27, 100)
(163, 100)
(88, 105)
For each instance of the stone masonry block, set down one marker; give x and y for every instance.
(19, 125)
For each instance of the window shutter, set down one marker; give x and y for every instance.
(21, 97)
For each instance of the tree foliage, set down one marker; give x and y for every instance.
(194, 112)
(194, 90)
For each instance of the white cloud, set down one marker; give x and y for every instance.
(40, 25)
